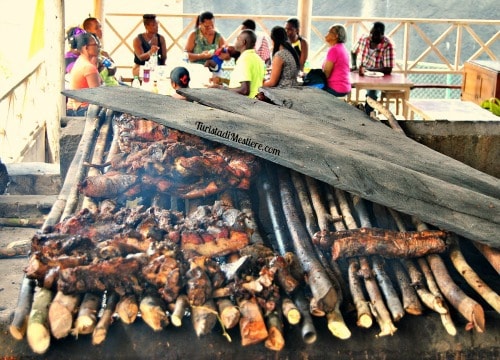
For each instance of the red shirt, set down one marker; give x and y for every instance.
(382, 56)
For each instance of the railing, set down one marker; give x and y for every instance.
(23, 108)
(423, 46)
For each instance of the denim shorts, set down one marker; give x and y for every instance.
(81, 111)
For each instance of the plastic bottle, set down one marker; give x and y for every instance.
(185, 56)
(153, 61)
(307, 66)
(154, 89)
(136, 83)
(147, 72)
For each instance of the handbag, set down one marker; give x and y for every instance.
(493, 105)
(315, 78)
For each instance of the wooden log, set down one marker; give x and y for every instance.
(432, 301)
(269, 188)
(318, 217)
(386, 112)
(446, 319)
(378, 307)
(228, 312)
(491, 254)
(19, 323)
(154, 311)
(364, 317)
(319, 282)
(101, 329)
(308, 330)
(76, 173)
(390, 295)
(245, 205)
(463, 268)
(15, 248)
(411, 303)
(62, 310)
(361, 303)
(127, 309)
(86, 319)
(252, 326)
(38, 333)
(290, 311)
(275, 340)
(204, 318)
(181, 305)
(468, 307)
(22, 222)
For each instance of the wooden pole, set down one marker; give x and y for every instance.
(304, 14)
(54, 58)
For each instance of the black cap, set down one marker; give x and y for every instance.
(180, 76)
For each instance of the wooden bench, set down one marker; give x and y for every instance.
(446, 109)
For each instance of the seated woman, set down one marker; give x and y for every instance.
(300, 44)
(285, 63)
(336, 65)
(84, 73)
(179, 78)
(148, 44)
(204, 39)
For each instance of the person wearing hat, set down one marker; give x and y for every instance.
(73, 53)
(179, 78)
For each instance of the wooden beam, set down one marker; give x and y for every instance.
(334, 142)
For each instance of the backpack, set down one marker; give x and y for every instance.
(315, 78)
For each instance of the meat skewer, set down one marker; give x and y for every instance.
(460, 263)
(101, 329)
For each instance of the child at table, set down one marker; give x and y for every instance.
(215, 63)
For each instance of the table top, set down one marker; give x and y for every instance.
(395, 81)
(450, 109)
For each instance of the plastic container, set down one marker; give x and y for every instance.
(136, 83)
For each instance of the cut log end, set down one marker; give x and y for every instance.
(365, 321)
(18, 332)
(337, 326)
(38, 338)
(275, 340)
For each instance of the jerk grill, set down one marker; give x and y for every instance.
(144, 243)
